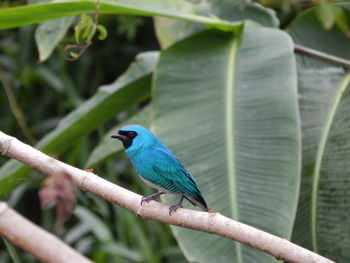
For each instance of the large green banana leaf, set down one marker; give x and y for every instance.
(322, 222)
(31, 14)
(132, 87)
(227, 105)
(171, 30)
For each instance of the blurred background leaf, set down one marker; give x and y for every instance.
(49, 34)
(320, 223)
(171, 30)
(47, 93)
(108, 101)
(106, 148)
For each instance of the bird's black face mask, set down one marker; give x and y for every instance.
(126, 137)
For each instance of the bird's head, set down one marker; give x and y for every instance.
(135, 137)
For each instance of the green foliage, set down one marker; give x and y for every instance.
(24, 15)
(252, 122)
(329, 12)
(49, 34)
(170, 30)
(107, 102)
(320, 223)
(86, 29)
(129, 25)
(226, 101)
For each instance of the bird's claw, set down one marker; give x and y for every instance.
(173, 208)
(147, 199)
(150, 197)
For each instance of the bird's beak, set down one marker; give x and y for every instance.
(119, 137)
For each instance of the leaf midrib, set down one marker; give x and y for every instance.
(229, 93)
(320, 153)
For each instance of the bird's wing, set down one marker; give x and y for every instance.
(167, 166)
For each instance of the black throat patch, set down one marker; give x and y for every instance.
(126, 137)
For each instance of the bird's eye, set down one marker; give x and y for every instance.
(132, 134)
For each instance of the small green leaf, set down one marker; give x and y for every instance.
(78, 31)
(327, 14)
(102, 32)
(73, 54)
(86, 19)
(342, 21)
(85, 29)
(49, 34)
(89, 32)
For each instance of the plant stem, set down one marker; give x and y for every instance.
(15, 109)
(326, 57)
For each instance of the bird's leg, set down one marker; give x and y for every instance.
(173, 208)
(150, 197)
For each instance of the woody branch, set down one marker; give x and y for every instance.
(214, 223)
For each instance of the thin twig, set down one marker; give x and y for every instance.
(320, 55)
(97, 14)
(81, 49)
(214, 223)
(15, 109)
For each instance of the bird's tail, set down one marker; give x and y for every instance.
(199, 201)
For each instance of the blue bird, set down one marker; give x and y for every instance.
(158, 167)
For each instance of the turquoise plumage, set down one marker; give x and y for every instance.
(159, 167)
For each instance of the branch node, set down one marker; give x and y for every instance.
(139, 211)
(82, 181)
(211, 218)
(5, 144)
(141, 208)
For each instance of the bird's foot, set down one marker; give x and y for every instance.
(150, 197)
(147, 199)
(173, 208)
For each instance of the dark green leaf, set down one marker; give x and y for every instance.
(307, 30)
(132, 87)
(324, 96)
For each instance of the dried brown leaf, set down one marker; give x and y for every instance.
(58, 188)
